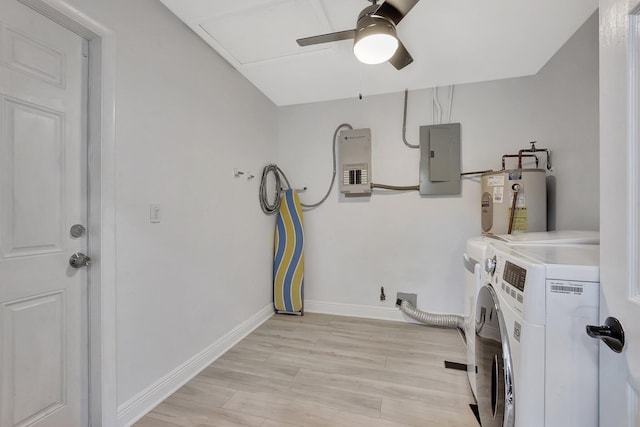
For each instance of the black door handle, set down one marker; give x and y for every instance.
(611, 333)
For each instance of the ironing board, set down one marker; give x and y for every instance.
(288, 262)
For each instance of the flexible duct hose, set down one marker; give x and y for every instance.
(431, 319)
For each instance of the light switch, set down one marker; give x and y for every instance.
(154, 213)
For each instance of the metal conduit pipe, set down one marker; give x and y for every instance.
(404, 122)
(431, 319)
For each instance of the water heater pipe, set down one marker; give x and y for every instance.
(431, 319)
(519, 156)
(533, 149)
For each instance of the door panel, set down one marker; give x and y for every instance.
(619, 210)
(43, 186)
(32, 186)
(23, 53)
(22, 366)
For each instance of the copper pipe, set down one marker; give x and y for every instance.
(516, 190)
(533, 149)
(519, 156)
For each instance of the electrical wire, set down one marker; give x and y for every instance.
(333, 175)
(437, 104)
(279, 176)
(396, 187)
(433, 110)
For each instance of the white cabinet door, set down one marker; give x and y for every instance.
(619, 212)
(43, 300)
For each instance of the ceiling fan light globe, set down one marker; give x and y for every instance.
(375, 48)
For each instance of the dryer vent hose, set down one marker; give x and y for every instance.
(431, 319)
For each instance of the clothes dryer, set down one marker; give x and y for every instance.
(536, 367)
(474, 256)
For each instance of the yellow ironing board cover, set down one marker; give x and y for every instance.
(288, 261)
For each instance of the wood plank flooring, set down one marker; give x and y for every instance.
(330, 371)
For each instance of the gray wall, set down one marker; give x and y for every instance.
(184, 120)
(567, 104)
(407, 243)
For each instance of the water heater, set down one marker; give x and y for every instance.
(354, 152)
(514, 201)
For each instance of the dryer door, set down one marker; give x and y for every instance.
(496, 401)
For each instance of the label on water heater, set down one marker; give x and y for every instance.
(495, 181)
(520, 219)
(498, 194)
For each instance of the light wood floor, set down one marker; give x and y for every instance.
(322, 370)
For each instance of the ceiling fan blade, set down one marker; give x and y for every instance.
(395, 9)
(325, 38)
(401, 58)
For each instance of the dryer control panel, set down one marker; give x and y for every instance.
(514, 275)
(516, 280)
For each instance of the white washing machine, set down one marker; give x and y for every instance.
(536, 366)
(475, 255)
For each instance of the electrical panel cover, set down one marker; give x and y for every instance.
(440, 159)
(354, 152)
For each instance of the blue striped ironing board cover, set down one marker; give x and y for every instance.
(288, 262)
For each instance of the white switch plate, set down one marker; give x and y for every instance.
(154, 213)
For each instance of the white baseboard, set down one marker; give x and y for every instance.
(136, 407)
(352, 310)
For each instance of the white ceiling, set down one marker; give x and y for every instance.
(451, 41)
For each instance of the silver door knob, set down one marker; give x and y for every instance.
(79, 259)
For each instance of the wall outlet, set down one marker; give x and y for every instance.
(383, 296)
(154, 213)
(412, 298)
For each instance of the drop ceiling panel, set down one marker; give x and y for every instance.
(275, 22)
(451, 41)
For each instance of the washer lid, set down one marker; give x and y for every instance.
(566, 262)
(477, 246)
(553, 237)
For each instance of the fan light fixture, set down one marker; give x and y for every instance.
(374, 37)
(375, 40)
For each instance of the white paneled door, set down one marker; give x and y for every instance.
(43, 192)
(620, 207)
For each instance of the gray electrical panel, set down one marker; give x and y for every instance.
(440, 159)
(354, 147)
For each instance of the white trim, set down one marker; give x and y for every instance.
(352, 310)
(632, 402)
(101, 141)
(633, 155)
(143, 402)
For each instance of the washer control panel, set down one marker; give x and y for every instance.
(509, 279)
(514, 275)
